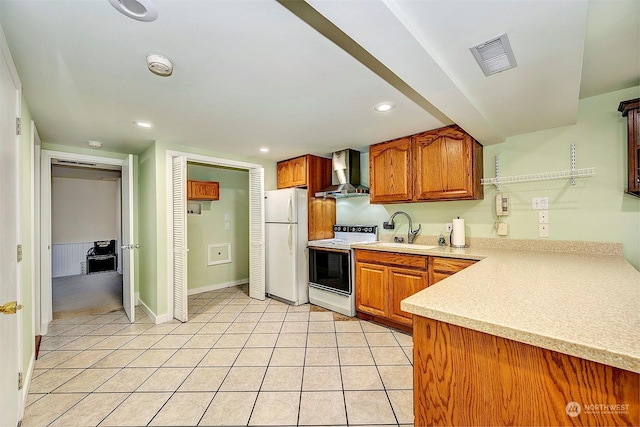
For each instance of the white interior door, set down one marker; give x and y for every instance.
(256, 234)
(10, 324)
(180, 248)
(128, 244)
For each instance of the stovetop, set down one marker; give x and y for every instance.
(346, 235)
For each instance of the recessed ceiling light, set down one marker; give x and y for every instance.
(140, 10)
(143, 124)
(264, 150)
(95, 144)
(383, 107)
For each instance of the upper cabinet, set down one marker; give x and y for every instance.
(308, 171)
(631, 110)
(292, 173)
(313, 173)
(442, 164)
(390, 171)
(203, 190)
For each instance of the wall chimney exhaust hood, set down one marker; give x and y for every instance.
(345, 179)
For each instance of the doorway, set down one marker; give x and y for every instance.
(177, 210)
(123, 246)
(85, 235)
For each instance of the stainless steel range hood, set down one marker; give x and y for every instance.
(345, 179)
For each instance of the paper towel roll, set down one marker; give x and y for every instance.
(458, 239)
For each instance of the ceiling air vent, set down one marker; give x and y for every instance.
(494, 55)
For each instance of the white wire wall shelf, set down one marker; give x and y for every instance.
(543, 176)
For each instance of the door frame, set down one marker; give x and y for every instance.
(210, 161)
(44, 301)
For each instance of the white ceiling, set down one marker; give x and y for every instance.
(251, 74)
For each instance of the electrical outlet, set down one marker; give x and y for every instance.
(449, 227)
(543, 217)
(226, 217)
(543, 230)
(227, 226)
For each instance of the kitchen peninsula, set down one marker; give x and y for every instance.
(527, 337)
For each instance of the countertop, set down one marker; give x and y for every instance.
(581, 304)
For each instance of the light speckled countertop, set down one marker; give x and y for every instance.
(581, 304)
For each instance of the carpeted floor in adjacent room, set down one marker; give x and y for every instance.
(97, 293)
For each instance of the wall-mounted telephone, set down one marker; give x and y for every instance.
(502, 205)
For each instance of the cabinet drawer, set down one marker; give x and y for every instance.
(391, 258)
(450, 265)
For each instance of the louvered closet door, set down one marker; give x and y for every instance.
(180, 304)
(256, 234)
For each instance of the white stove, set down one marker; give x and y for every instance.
(346, 235)
(331, 267)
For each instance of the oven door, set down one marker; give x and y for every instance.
(330, 269)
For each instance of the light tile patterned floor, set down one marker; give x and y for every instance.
(237, 362)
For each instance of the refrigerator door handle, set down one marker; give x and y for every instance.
(289, 237)
(290, 209)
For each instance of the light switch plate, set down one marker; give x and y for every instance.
(540, 203)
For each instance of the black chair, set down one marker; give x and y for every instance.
(102, 256)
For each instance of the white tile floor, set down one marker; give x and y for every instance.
(237, 362)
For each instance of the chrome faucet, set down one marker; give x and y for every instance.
(390, 225)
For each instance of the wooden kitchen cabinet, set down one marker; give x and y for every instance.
(390, 171)
(441, 267)
(292, 172)
(383, 279)
(371, 295)
(631, 110)
(442, 164)
(203, 190)
(313, 173)
(463, 377)
(403, 283)
(447, 165)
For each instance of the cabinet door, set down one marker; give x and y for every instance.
(204, 190)
(284, 174)
(390, 171)
(292, 173)
(298, 171)
(402, 284)
(371, 289)
(443, 164)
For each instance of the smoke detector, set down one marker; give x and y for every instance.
(95, 144)
(159, 65)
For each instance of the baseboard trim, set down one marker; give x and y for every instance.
(217, 286)
(156, 318)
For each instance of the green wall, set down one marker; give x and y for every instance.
(595, 209)
(209, 228)
(147, 224)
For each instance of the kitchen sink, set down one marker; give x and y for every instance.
(404, 245)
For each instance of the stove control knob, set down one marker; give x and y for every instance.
(359, 229)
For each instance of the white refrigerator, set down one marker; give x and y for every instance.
(286, 245)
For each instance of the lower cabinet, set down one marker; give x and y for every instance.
(440, 267)
(383, 279)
